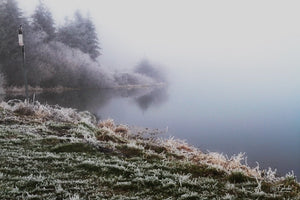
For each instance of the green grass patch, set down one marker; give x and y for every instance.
(29, 185)
(60, 128)
(238, 177)
(74, 147)
(174, 156)
(129, 151)
(88, 167)
(199, 170)
(152, 157)
(51, 141)
(154, 147)
(89, 127)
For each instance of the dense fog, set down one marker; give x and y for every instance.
(232, 67)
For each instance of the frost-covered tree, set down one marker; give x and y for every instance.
(10, 53)
(68, 60)
(148, 69)
(43, 21)
(80, 33)
(90, 37)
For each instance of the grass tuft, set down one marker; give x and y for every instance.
(24, 111)
(105, 135)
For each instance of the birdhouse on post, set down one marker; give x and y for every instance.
(21, 43)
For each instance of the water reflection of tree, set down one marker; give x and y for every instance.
(89, 99)
(93, 99)
(154, 98)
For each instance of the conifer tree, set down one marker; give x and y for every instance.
(80, 33)
(10, 59)
(43, 21)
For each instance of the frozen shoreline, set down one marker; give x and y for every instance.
(56, 133)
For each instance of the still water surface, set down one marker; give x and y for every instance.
(261, 119)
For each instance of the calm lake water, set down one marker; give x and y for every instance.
(258, 115)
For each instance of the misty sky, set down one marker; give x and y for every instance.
(194, 35)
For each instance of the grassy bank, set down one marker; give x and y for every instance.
(49, 152)
(59, 89)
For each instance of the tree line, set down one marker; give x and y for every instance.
(55, 56)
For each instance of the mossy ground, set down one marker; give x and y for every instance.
(58, 160)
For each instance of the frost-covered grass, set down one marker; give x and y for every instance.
(49, 152)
